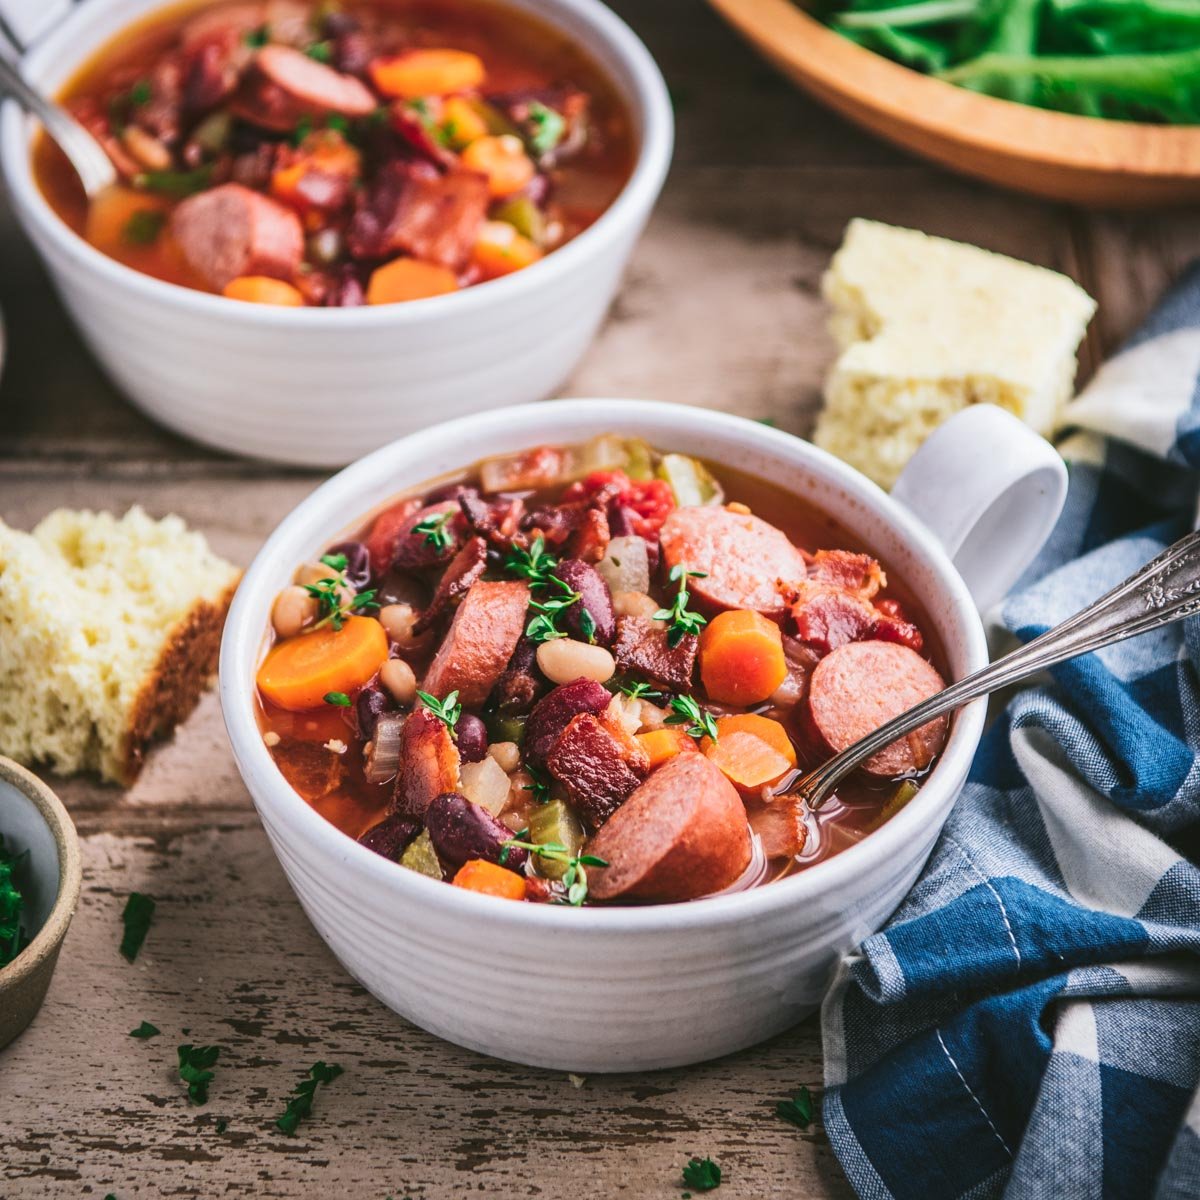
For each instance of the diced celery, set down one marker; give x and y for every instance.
(639, 461)
(505, 727)
(691, 481)
(906, 789)
(525, 217)
(555, 822)
(421, 857)
(493, 118)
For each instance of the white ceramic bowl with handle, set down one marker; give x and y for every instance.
(618, 989)
(321, 387)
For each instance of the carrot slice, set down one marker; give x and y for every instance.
(302, 671)
(409, 279)
(500, 249)
(488, 879)
(462, 122)
(771, 732)
(503, 160)
(262, 289)
(661, 744)
(121, 218)
(741, 657)
(745, 759)
(416, 73)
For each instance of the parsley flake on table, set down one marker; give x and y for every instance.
(139, 912)
(798, 1110)
(221, 1125)
(702, 1174)
(195, 1069)
(12, 934)
(145, 1030)
(303, 1094)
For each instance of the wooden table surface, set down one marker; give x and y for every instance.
(720, 308)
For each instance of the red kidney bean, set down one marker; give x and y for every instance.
(471, 736)
(371, 704)
(594, 596)
(461, 831)
(391, 836)
(358, 563)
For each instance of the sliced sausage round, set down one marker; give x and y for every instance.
(481, 639)
(231, 231)
(682, 834)
(312, 85)
(742, 556)
(857, 687)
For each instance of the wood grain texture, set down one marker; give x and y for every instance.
(721, 308)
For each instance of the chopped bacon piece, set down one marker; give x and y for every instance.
(521, 685)
(587, 761)
(828, 617)
(893, 625)
(386, 530)
(465, 568)
(641, 648)
(780, 826)
(590, 540)
(412, 208)
(858, 573)
(429, 764)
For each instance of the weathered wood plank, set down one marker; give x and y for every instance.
(85, 1109)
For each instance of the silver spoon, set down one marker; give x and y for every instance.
(86, 155)
(1166, 589)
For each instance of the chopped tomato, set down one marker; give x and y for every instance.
(650, 499)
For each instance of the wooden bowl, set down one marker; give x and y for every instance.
(1082, 160)
(33, 819)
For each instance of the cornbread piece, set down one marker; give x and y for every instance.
(927, 326)
(109, 633)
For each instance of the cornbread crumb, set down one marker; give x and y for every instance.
(271, 738)
(336, 745)
(577, 1081)
(927, 326)
(109, 632)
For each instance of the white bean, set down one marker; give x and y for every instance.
(398, 677)
(507, 754)
(146, 148)
(293, 609)
(634, 604)
(564, 659)
(398, 620)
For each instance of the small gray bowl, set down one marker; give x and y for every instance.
(33, 819)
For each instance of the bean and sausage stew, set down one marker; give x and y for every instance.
(300, 153)
(579, 674)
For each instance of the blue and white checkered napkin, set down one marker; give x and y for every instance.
(1028, 1024)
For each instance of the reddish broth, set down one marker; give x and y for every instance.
(335, 785)
(522, 55)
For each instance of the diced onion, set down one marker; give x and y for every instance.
(625, 566)
(383, 761)
(485, 783)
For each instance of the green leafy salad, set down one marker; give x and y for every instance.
(1130, 60)
(12, 933)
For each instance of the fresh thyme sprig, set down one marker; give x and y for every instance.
(544, 627)
(336, 600)
(682, 620)
(539, 784)
(575, 877)
(447, 711)
(534, 564)
(699, 721)
(639, 690)
(434, 530)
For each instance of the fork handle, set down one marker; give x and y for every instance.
(1165, 590)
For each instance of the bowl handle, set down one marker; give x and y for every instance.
(22, 22)
(990, 490)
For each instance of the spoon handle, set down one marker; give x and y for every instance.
(1166, 589)
(87, 156)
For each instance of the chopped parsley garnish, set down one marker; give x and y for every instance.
(304, 127)
(300, 1105)
(702, 1174)
(546, 128)
(699, 721)
(539, 784)
(682, 621)
(176, 184)
(534, 564)
(639, 690)
(434, 530)
(321, 52)
(140, 93)
(221, 1125)
(337, 123)
(337, 699)
(145, 1030)
(257, 37)
(195, 1069)
(336, 600)
(447, 711)
(798, 1110)
(544, 627)
(143, 227)
(139, 912)
(12, 933)
(575, 877)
